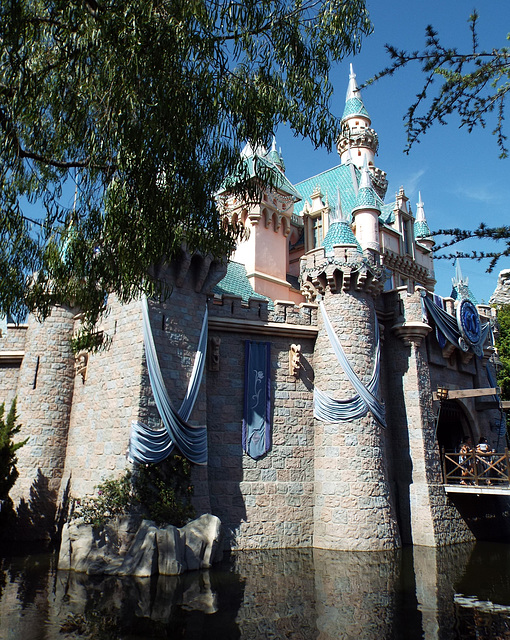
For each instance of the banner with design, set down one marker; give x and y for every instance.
(257, 398)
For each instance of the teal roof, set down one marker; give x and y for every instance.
(388, 213)
(236, 283)
(354, 107)
(421, 229)
(461, 290)
(340, 233)
(329, 182)
(264, 168)
(367, 198)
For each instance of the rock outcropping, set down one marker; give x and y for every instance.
(139, 548)
(501, 294)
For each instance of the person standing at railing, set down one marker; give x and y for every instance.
(483, 450)
(466, 459)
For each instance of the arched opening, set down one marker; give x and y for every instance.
(452, 426)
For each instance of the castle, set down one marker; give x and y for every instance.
(325, 316)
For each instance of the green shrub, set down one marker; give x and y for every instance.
(165, 491)
(160, 492)
(113, 498)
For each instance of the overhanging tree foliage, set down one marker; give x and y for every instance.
(503, 347)
(473, 85)
(140, 109)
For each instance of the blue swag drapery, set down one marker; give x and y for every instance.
(257, 399)
(329, 409)
(154, 445)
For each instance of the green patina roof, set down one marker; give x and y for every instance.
(354, 107)
(329, 182)
(236, 283)
(367, 198)
(461, 291)
(340, 233)
(388, 213)
(421, 229)
(264, 168)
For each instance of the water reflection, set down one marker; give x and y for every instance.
(459, 592)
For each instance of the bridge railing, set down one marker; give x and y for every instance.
(478, 469)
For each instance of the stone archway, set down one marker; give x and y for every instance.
(453, 425)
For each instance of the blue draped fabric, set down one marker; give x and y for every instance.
(257, 398)
(439, 301)
(448, 326)
(154, 445)
(328, 409)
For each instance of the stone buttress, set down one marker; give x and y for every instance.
(427, 516)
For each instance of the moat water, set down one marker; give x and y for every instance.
(459, 592)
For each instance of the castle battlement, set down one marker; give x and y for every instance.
(256, 310)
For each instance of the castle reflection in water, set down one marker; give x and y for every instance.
(461, 591)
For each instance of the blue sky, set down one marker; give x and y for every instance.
(461, 178)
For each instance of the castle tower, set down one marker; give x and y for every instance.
(366, 216)
(46, 377)
(358, 142)
(267, 222)
(353, 507)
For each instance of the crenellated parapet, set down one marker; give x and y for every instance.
(284, 317)
(201, 271)
(343, 270)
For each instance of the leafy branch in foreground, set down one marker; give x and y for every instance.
(474, 85)
(482, 232)
(119, 121)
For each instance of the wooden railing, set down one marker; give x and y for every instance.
(476, 469)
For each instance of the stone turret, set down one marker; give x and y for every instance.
(353, 507)
(46, 377)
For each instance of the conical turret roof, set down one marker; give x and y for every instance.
(421, 228)
(353, 103)
(275, 157)
(367, 197)
(339, 232)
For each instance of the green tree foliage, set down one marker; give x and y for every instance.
(161, 492)
(503, 347)
(8, 448)
(140, 109)
(472, 85)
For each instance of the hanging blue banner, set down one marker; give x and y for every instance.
(257, 398)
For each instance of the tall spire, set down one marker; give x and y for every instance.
(421, 228)
(275, 157)
(357, 140)
(460, 286)
(353, 103)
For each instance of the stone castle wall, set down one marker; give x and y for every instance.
(264, 503)
(327, 485)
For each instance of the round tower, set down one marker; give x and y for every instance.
(46, 377)
(366, 213)
(353, 508)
